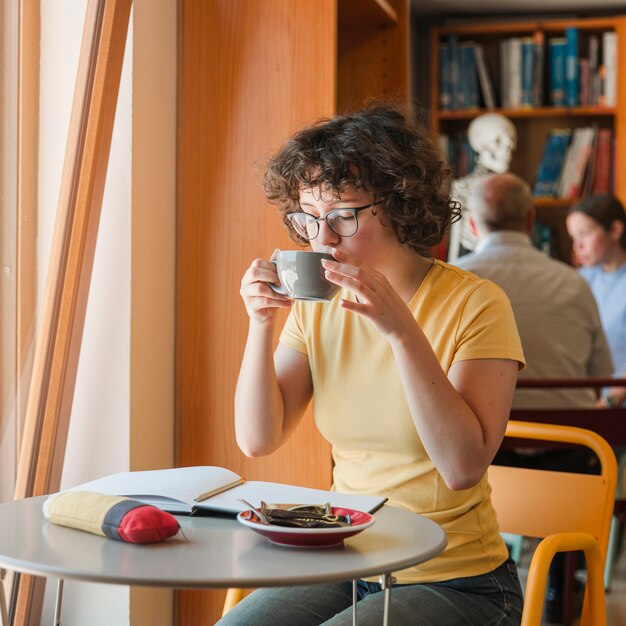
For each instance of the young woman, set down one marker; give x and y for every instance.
(597, 226)
(412, 368)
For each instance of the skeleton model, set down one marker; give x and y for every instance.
(494, 139)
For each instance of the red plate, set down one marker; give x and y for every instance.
(309, 537)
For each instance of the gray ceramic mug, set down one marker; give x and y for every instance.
(302, 277)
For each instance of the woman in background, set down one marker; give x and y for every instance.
(597, 226)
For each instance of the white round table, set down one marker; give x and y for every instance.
(215, 551)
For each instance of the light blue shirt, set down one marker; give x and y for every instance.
(609, 289)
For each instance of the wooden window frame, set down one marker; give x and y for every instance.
(59, 336)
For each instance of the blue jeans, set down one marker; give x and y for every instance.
(485, 600)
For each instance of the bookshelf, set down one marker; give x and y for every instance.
(600, 107)
(372, 44)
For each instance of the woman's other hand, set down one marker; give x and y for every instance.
(260, 299)
(376, 298)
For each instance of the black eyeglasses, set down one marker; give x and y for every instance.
(343, 222)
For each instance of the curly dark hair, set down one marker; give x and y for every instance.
(604, 210)
(380, 149)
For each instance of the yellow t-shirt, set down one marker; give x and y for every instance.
(360, 408)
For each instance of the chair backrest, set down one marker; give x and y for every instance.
(539, 503)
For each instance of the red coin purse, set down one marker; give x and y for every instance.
(115, 517)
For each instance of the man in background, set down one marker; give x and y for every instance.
(556, 314)
(557, 319)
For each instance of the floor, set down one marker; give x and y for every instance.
(616, 598)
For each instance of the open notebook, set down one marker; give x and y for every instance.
(187, 490)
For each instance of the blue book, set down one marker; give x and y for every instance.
(469, 76)
(445, 84)
(556, 48)
(542, 186)
(572, 80)
(458, 97)
(557, 159)
(549, 170)
(528, 72)
(468, 156)
(538, 44)
(454, 151)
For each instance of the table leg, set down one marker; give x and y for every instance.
(386, 582)
(4, 611)
(57, 607)
(354, 602)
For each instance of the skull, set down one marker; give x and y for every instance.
(494, 138)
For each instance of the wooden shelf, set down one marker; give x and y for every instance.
(554, 203)
(548, 26)
(536, 112)
(358, 13)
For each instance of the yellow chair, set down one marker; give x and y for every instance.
(233, 596)
(568, 511)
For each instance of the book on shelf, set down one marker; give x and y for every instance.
(602, 167)
(469, 82)
(594, 77)
(551, 164)
(445, 83)
(602, 85)
(452, 155)
(596, 86)
(609, 61)
(521, 70)
(587, 184)
(443, 144)
(585, 165)
(530, 69)
(541, 176)
(486, 84)
(568, 165)
(583, 72)
(572, 86)
(527, 71)
(514, 70)
(570, 184)
(467, 156)
(458, 75)
(543, 182)
(193, 490)
(458, 97)
(538, 62)
(556, 75)
(457, 152)
(613, 172)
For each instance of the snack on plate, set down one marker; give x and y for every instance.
(303, 515)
